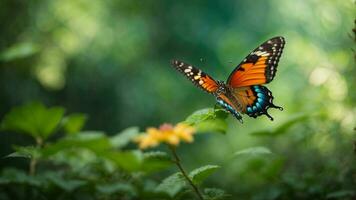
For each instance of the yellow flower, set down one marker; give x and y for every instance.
(166, 133)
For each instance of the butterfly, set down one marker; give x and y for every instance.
(243, 91)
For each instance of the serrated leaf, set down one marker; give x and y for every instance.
(172, 185)
(33, 119)
(253, 151)
(200, 174)
(155, 161)
(73, 123)
(19, 50)
(282, 128)
(124, 137)
(128, 160)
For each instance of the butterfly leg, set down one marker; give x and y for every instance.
(229, 108)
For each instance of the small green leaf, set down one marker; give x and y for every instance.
(73, 123)
(208, 120)
(200, 115)
(172, 185)
(212, 125)
(33, 119)
(214, 194)
(124, 137)
(253, 151)
(155, 161)
(25, 152)
(114, 188)
(127, 160)
(19, 50)
(200, 174)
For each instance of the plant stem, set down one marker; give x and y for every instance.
(177, 162)
(33, 162)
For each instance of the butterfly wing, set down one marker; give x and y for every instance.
(199, 78)
(254, 100)
(260, 66)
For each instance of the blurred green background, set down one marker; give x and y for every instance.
(111, 60)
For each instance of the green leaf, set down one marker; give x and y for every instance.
(16, 176)
(155, 161)
(67, 185)
(124, 137)
(212, 125)
(214, 194)
(253, 151)
(172, 185)
(94, 141)
(25, 152)
(200, 174)
(114, 188)
(127, 160)
(73, 123)
(208, 120)
(19, 50)
(282, 128)
(33, 119)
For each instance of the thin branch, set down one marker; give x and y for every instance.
(177, 162)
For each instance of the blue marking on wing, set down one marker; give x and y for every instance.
(229, 108)
(262, 103)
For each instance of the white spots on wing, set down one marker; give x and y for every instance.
(197, 77)
(261, 53)
(260, 48)
(269, 42)
(181, 64)
(187, 70)
(201, 82)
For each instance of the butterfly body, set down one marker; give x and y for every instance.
(243, 92)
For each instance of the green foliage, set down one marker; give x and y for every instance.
(110, 60)
(73, 123)
(200, 174)
(215, 194)
(123, 138)
(33, 119)
(208, 120)
(253, 151)
(20, 50)
(172, 185)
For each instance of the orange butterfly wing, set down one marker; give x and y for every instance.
(195, 75)
(260, 66)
